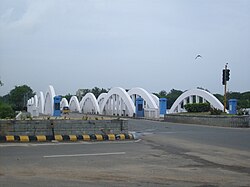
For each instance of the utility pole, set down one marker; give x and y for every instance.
(225, 78)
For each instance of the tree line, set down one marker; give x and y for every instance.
(16, 99)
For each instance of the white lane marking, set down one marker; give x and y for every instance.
(14, 145)
(82, 155)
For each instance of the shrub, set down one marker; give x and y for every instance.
(197, 107)
(215, 111)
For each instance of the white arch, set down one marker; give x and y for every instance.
(118, 99)
(101, 98)
(74, 104)
(49, 101)
(144, 95)
(29, 101)
(32, 101)
(63, 103)
(89, 104)
(214, 102)
(35, 100)
(156, 99)
(30, 104)
(40, 103)
(34, 107)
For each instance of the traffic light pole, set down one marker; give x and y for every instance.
(225, 89)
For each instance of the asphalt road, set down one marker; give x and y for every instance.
(238, 138)
(167, 155)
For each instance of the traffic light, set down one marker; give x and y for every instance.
(227, 74)
(224, 77)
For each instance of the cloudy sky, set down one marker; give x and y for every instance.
(152, 44)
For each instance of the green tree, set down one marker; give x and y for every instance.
(4, 99)
(233, 95)
(97, 91)
(162, 94)
(19, 96)
(219, 97)
(6, 111)
(245, 100)
(242, 98)
(83, 92)
(172, 96)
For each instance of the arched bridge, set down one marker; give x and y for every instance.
(118, 102)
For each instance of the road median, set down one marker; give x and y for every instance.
(71, 138)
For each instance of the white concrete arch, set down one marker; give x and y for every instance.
(101, 98)
(30, 104)
(144, 95)
(198, 93)
(117, 102)
(32, 101)
(40, 103)
(34, 107)
(49, 101)
(74, 105)
(63, 103)
(89, 104)
(156, 99)
(35, 100)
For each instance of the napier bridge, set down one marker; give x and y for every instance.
(119, 102)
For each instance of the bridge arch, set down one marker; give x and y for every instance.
(117, 102)
(40, 103)
(150, 102)
(35, 100)
(64, 102)
(74, 104)
(188, 96)
(156, 99)
(89, 104)
(101, 98)
(49, 101)
(30, 105)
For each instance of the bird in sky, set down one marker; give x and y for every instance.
(198, 56)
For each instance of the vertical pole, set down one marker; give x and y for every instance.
(225, 89)
(52, 130)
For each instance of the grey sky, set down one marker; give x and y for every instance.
(106, 43)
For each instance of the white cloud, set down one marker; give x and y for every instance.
(28, 21)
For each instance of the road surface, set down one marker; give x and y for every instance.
(167, 155)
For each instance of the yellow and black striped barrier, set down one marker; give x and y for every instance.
(72, 138)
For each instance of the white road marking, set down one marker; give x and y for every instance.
(82, 155)
(14, 145)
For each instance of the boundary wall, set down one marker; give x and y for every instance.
(211, 120)
(62, 127)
